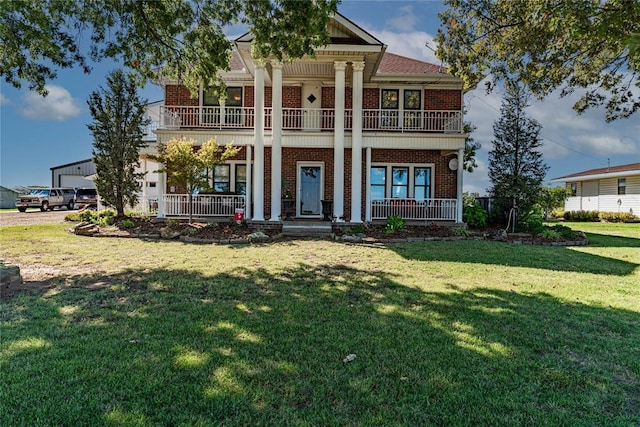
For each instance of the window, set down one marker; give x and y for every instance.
(151, 184)
(622, 186)
(389, 101)
(405, 114)
(421, 183)
(232, 111)
(241, 179)
(574, 189)
(401, 181)
(400, 186)
(412, 99)
(378, 182)
(221, 179)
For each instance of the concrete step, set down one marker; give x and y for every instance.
(306, 229)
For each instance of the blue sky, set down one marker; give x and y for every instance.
(39, 133)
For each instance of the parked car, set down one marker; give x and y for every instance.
(87, 197)
(47, 199)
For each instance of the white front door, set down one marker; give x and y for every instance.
(310, 189)
(311, 106)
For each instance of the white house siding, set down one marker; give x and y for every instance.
(589, 199)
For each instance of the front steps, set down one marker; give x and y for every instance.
(306, 229)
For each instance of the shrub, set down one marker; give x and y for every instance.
(474, 216)
(531, 222)
(394, 223)
(127, 223)
(460, 231)
(582, 216)
(618, 217)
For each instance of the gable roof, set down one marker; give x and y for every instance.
(396, 64)
(608, 172)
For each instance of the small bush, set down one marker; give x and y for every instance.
(127, 223)
(550, 234)
(618, 217)
(394, 223)
(355, 229)
(173, 223)
(531, 223)
(582, 216)
(474, 216)
(460, 231)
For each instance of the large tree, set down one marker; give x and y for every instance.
(516, 167)
(184, 37)
(186, 164)
(118, 127)
(548, 45)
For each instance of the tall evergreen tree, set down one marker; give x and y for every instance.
(516, 167)
(118, 128)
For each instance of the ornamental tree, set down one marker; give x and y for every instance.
(590, 46)
(183, 37)
(118, 127)
(186, 164)
(516, 168)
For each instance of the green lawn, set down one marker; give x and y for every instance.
(445, 333)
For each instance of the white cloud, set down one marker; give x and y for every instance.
(406, 20)
(58, 105)
(3, 99)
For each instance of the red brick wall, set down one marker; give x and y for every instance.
(442, 99)
(371, 98)
(329, 97)
(179, 95)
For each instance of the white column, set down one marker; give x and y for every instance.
(276, 144)
(367, 192)
(162, 188)
(258, 143)
(459, 189)
(249, 191)
(356, 143)
(338, 145)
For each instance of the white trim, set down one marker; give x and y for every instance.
(621, 174)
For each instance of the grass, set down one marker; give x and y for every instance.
(136, 333)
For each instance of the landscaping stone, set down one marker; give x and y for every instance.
(9, 275)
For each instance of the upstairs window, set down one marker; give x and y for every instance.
(231, 114)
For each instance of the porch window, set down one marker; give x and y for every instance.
(400, 187)
(421, 183)
(231, 114)
(241, 179)
(622, 186)
(222, 178)
(378, 182)
(390, 106)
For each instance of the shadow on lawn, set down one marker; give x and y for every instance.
(159, 347)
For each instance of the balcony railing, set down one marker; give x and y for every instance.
(412, 209)
(312, 119)
(203, 205)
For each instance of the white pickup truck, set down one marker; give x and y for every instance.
(47, 199)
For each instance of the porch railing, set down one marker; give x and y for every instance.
(203, 205)
(412, 209)
(316, 119)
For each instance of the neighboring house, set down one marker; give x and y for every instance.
(368, 132)
(8, 197)
(610, 189)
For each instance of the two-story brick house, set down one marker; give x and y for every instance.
(375, 133)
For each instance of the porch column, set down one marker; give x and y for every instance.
(162, 188)
(249, 190)
(276, 144)
(258, 143)
(356, 144)
(459, 195)
(338, 145)
(367, 192)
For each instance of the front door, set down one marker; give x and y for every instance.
(310, 177)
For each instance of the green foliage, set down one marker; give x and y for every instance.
(582, 216)
(469, 199)
(470, 148)
(394, 223)
(474, 216)
(187, 164)
(128, 223)
(117, 128)
(552, 198)
(460, 231)
(183, 38)
(516, 167)
(173, 223)
(356, 229)
(618, 217)
(530, 222)
(562, 45)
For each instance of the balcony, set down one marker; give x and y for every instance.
(309, 119)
